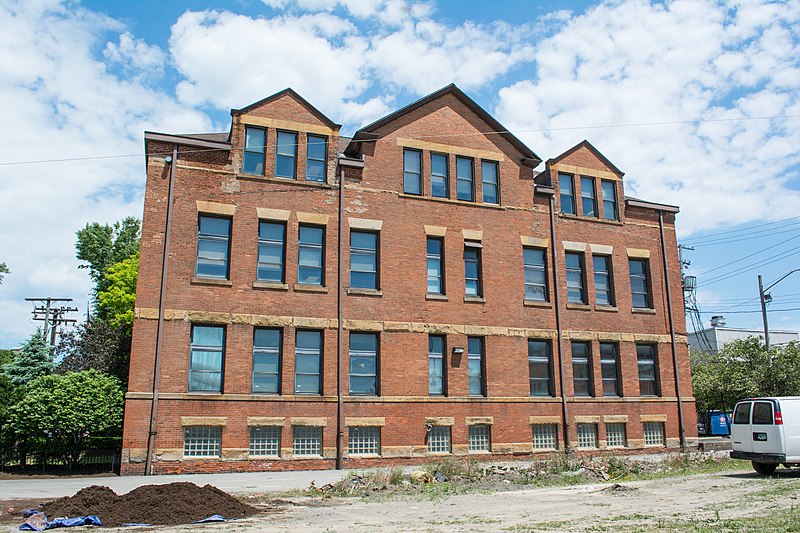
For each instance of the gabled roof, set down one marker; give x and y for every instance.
(367, 132)
(586, 144)
(290, 92)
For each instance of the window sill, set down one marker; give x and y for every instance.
(301, 182)
(270, 285)
(439, 297)
(606, 308)
(305, 457)
(364, 292)
(211, 281)
(534, 303)
(579, 307)
(643, 311)
(480, 452)
(474, 300)
(440, 454)
(263, 458)
(301, 287)
(582, 218)
(363, 456)
(450, 201)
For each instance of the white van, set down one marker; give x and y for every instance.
(766, 431)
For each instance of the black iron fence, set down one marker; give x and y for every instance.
(96, 461)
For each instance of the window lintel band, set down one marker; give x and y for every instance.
(309, 421)
(265, 213)
(440, 421)
(574, 246)
(638, 253)
(312, 218)
(587, 419)
(479, 420)
(536, 242)
(364, 223)
(204, 421)
(544, 420)
(365, 421)
(291, 125)
(652, 418)
(266, 420)
(472, 234)
(435, 231)
(611, 419)
(215, 208)
(601, 249)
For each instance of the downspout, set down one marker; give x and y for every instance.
(151, 435)
(340, 328)
(560, 333)
(681, 430)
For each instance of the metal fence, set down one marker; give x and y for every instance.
(99, 461)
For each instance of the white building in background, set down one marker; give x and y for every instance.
(711, 340)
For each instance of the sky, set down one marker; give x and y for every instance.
(697, 101)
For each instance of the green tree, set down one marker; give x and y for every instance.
(101, 246)
(67, 409)
(9, 395)
(3, 271)
(33, 361)
(119, 296)
(98, 345)
(6, 356)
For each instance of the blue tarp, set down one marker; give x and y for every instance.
(90, 520)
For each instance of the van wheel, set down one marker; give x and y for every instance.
(764, 469)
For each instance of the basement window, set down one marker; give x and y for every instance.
(479, 438)
(364, 440)
(307, 441)
(439, 439)
(587, 436)
(654, 434)
(265, 441)
(615, 435)
(545, 436)
(202, 441)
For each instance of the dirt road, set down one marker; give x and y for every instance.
(667, 504)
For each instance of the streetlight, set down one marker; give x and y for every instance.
(766, 298)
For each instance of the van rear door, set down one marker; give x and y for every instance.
(741, 437)
(766, 434)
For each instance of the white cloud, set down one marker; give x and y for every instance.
(677, 61)
(63, 102)
(136, 54)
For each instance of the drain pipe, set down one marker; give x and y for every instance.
(681, 429)
(557, 303)
(151, 435)
(340, 328)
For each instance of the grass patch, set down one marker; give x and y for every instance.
(778, 520)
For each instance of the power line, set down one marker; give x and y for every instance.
(752, 312)
(456, 134)
(752, 266)
(748, 255)
(741, 229)
(755, 235)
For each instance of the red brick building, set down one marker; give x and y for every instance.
(448, 299)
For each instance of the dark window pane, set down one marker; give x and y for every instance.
(490, 182)
(363, 363)
(310, 255)
(434, 260)
(363, 260)
(567, 193)
(475, 366)
(285, 155)
(254, 142)
(609, 200)
(588, 200)
(412, 173)
(465, 189)
(472, 271)
(439, 176)
(316, 152)
(539, 363)
(762, 413)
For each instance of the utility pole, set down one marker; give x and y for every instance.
(52, 316)
(767, 298)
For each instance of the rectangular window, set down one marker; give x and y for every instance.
(436, 385)
(465, 186)
(490, 182)
(615, 435)
(762, 413)
(472, 269)
(603, 281)
(364, 440)
(265, 441)
(286, 155)
(587, 435)
(566, 188)
(316, 158)
(271, 251)
(742, 414)
(654, 434)
(213, 247)
(412, 172)
(479, 438)
(267, 360)
(539, 364)
(440, 177)
(582, 368)
(310, 255)
(364, 364)
(439, 439)
(588, 198)
(640, 283)
(545, 436)
(254, 150)
(306, 440)
(646, 354)
(476, 364)
(202, 441)
(205, 367)
(576, 291)
(535, 274)
(609, 200)
(308, 362)
(363, 260)
(435, 248)
(609, 367)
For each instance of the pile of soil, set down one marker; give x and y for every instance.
(171, 504)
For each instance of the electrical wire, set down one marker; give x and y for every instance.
(748, 255)
(752, 266)
(740, 229)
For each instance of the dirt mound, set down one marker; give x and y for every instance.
(171, 504)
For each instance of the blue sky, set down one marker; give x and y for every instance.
(698, 101)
